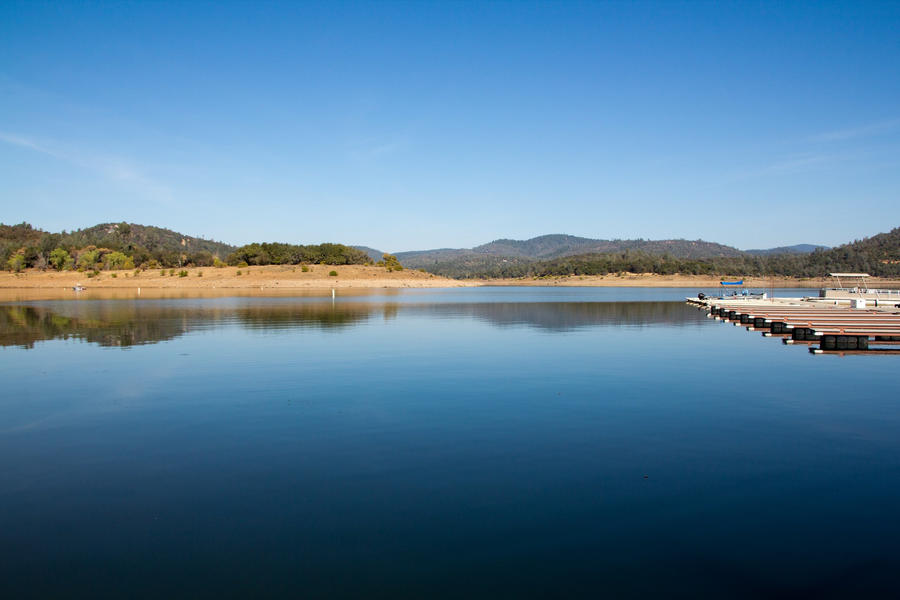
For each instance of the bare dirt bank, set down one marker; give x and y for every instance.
(208, 278)
(271, 278)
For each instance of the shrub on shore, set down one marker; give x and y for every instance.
(390, 262)
(16, 262)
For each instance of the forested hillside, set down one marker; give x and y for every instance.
(558, 245)
(554, 246)
(878, 256)
(128, 246)
(105, 246)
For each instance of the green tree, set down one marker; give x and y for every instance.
(16, 262)
(88, 258)
(116, 260)
(59, 258)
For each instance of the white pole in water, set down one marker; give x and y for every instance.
(332, 296)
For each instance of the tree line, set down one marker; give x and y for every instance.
(276, 253)
(129, 246)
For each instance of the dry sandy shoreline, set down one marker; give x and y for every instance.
(209, 278)
(358, 276)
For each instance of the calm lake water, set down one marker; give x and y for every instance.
(476, 442)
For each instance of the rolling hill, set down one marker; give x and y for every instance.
(795, 249)
(554, 255)
(559, 245)
(152, 238)
(143, 243)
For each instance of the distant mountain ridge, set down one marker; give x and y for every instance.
(560, 245)
(374, 254)
(559, 255)
(552, 254)
(795, 249)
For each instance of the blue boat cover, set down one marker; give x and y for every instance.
(741, 282)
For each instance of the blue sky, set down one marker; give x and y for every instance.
(419, 125)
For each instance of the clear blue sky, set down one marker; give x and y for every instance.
(420, 125)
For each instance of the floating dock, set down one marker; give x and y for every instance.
(826, 326)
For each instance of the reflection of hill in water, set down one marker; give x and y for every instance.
(25, 325)
(126, 324)
(134, 324)
(566, 316)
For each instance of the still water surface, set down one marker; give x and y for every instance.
(492, 442)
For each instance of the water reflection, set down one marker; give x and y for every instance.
(568, 316)
(129, 323)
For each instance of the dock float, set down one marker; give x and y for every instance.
(836, 328)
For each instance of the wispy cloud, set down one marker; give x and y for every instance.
(109, 166)
(787, 165)
(794, 164)
(871, 129)
(373, 149)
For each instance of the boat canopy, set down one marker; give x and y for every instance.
(857, 280)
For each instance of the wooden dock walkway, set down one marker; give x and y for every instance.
(836, 328)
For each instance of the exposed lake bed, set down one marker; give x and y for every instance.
(293, 279)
